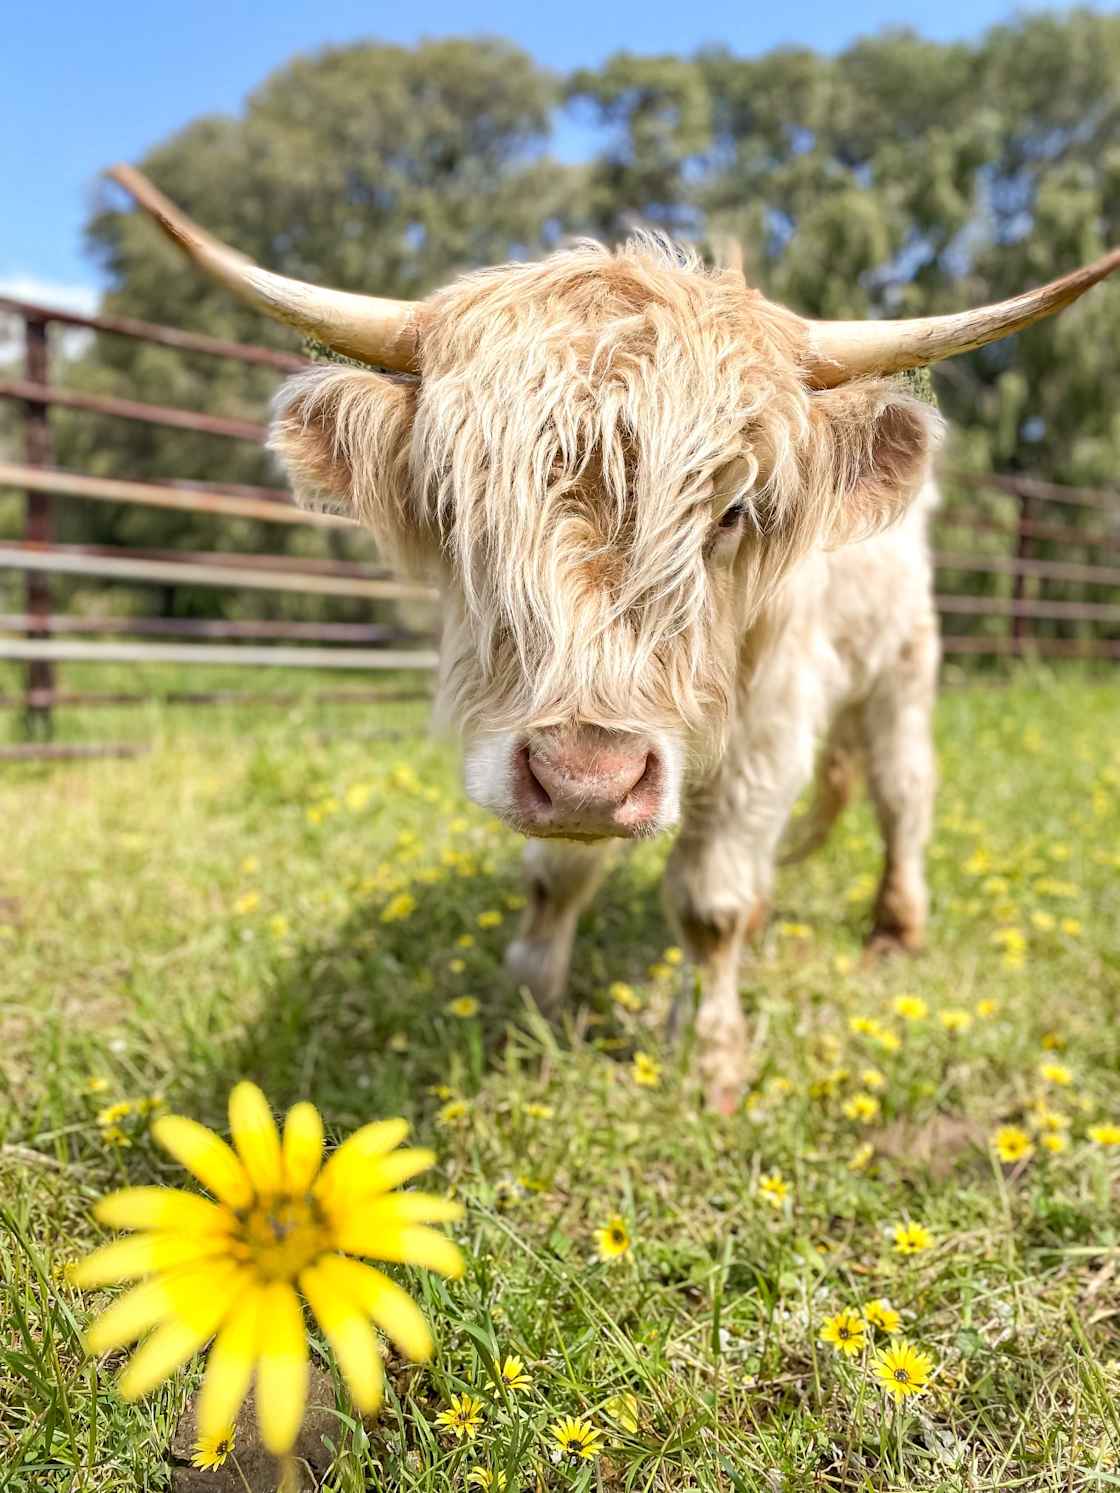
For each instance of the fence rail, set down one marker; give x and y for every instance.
(1018, 573)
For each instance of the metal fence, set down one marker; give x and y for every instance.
(41, 637)
(1025, 568)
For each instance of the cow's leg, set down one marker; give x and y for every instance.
(902, 776)
(561, 877)
(718, 885)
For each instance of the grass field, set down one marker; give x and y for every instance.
(299, 901)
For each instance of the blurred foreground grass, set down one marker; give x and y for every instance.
(284, 895)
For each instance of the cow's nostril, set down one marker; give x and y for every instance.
(532, 790)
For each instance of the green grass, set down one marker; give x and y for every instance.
(213, 910)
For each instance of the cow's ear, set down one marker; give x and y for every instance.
(871, 450)
(344, 435)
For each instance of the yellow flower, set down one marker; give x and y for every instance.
(278, 925)
(846, 1331)
(986, 1009)
(1071, 927)
(282, 1220)
(398, 908)
(911, 1238)
(1053, 1041)
(539, 1111)
(212, 1451)
(463, 1006)
(660, 971)
(357, 796)
(112, 1114)
(113, 1135)
(795, 930)
(456, 966)
(491, 918)
(645, 1071)
(465, 941)
(1054, 1142)
(862, 1107)
(624, 996)
(871, 1078)
(902, 1370)
(623, 1410)
(882, 1315)
(95, 1084)
(482, 1477)
(513, 1373)
(1012, 1144)
(954, 1019)
(673, 955)
(1043, 921)
(452, 1112)
(1104, 1135)
(576, 1439)
(861, 1156)
(462, 1417)
(246, 903)
(398, 1042)
(774, 1188)
(910, 1007)
(1056, 1073)
(613, 1239)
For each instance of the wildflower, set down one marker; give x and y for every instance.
(660, 971)
(871, 1078)
(910, 1007)
(1104, 1135)
(1045, 1118)
(95, 1084)
(673, 955)
(613, 1239)
(623, 995)
(903, 1370)
(491, 918)
(452, 1112)
(795, 930)
(911, 1238)
(576, 1439)
(623, 1410)
(861, 1157)
(1055, 1073)
(213, 1451)
(1054, 1142)
(462, 1417)
(112, 1114)
(955, 1020)
(1071, 927)
(113, 1135)
(463, 1006)
(774, 1188)
(482, 1477)
(645, 1071)
(246, 903)
(465, 941)
(863, 1026)
(1012, 1144)
(398, 1042)
(889, 1041)
(278, 925)
(862, 1107)
(882, 1315)
(846, 1331)
(986, 1009)
(1053, 1041)
(513, 1373)
(456, 966)
(250, 866)
(398, 908)
(283, 1219)
(539, 1111)
(357, 796)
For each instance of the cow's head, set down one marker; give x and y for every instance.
(609, 460)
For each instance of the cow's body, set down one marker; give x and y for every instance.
(845, 654)
(680, 536)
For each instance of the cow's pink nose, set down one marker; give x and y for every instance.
(588, 787)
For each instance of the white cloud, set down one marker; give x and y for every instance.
(27, 286)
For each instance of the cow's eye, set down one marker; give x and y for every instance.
(733, 516)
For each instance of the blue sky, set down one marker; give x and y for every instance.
(83, 85)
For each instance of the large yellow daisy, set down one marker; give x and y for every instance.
(284, 1224)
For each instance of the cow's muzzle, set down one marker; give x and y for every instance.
(589, 783)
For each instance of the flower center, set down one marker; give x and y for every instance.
(282, 1235)
(844, 1332)
(902, 1375)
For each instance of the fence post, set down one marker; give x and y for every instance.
(1020, 625)
(38, 528)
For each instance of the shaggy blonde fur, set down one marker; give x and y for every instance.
(636, 508)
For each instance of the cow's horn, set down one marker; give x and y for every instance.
(369, 328)
(841, 350)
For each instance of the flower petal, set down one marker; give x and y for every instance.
(390, 1306)
(229, 1367)
(144, 1254)
(354, 1156)
(282, 1368)
(255, 1138)
(207, 1156)
(411, 1245)
(196, 1317)
(395, 1209)
(128, 1318)
(162, 1208)
(347, 1329)
(303, 1146)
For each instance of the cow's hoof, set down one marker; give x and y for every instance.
(533, 965)
(724, 1099)
(888, 943)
